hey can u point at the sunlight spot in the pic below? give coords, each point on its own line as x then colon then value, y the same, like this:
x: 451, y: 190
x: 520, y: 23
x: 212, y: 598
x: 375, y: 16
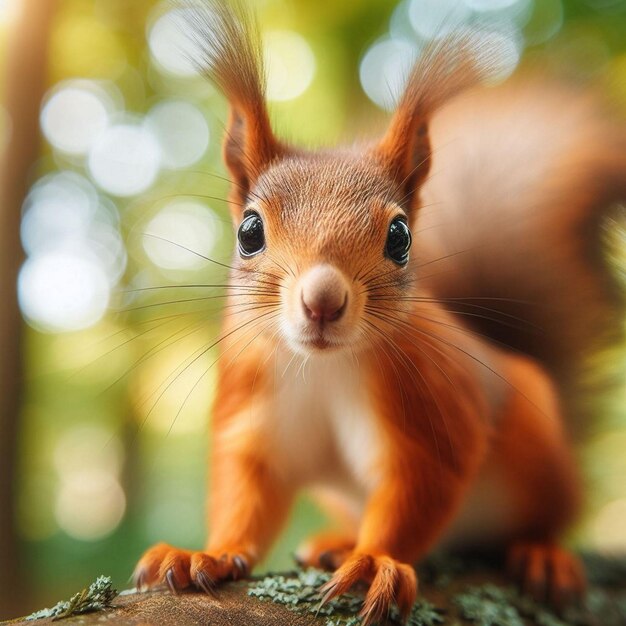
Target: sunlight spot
x: 497, y: 11
x: 62, y: 291
x: 85, y: 448
x: 63, y: 213
x: 493, y: 5
x: 170, y: 45
x: 58, y: 207
x: 290, y: 64
x: 384, y: 70
x: 73, y: 115
x: 433, y: 19
x: 399, y: 23
x: 181, y: 234
x: 607, y: 531
x: 125, y: 159
x: 90, y: 504
x: 182, y: 132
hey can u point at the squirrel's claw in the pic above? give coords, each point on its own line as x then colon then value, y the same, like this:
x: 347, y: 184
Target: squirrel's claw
x: 206, y: 583
x: 390, y: 582
x: 179, y: 569
x: 547, y: 573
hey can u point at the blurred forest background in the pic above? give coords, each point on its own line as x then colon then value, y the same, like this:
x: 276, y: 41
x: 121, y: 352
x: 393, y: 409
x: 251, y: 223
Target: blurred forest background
x: 104, y: 440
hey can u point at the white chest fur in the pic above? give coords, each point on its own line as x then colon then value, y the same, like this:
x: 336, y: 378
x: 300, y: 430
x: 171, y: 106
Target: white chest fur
x: 323, y: 426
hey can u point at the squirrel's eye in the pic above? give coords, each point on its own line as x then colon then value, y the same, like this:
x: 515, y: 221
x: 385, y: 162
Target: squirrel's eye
x: 398, y: 241
x: 250, y: 235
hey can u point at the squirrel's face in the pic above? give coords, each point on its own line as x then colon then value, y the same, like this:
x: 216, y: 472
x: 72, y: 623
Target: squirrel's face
x: 327, y: 240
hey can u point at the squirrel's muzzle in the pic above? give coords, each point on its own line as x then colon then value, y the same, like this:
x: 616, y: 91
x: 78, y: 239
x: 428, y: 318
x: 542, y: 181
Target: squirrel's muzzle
x: 324, y: 294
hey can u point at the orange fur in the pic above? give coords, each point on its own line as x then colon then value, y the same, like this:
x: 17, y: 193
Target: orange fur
x: 389, y: 405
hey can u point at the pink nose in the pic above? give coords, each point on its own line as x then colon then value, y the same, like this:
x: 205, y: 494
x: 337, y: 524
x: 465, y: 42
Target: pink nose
x: 324, y: 294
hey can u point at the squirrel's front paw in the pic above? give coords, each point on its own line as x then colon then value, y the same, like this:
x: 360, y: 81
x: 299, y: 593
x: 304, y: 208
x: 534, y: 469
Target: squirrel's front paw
x: 178, y: 569
x: 389, y: 582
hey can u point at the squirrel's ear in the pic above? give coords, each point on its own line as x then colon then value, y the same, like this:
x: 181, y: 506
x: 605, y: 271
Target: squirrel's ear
x: 231, y: 55
x: 249, y: 146
x: 405, y: 151
x: 445, y: 68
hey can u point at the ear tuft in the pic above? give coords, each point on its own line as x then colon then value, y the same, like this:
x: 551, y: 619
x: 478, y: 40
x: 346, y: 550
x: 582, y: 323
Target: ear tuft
x: 445, y: 68
x: 228, y: 38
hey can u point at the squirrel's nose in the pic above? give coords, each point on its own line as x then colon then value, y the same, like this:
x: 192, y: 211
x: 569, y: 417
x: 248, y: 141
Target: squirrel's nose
x: 324, y: 294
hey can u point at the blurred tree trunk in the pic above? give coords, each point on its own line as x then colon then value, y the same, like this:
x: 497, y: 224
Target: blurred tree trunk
x: 24, y: 86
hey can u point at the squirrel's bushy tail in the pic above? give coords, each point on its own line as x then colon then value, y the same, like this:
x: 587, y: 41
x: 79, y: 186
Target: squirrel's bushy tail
x: 526, y: 186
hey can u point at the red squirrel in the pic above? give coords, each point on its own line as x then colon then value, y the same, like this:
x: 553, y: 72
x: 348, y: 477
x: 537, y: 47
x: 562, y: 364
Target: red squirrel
x: 362, y: 360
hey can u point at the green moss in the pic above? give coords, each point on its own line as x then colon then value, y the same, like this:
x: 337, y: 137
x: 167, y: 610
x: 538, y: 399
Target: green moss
x: 300, y: 592
x: 99, y: 595
x: 488, y: 605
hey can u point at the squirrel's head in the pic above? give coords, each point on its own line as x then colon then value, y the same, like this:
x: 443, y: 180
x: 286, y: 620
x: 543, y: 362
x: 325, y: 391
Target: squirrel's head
x: 330, y: 234
x: 324, y: 238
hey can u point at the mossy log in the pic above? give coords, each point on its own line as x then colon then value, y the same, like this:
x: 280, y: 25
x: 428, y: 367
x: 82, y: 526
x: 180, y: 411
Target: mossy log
x: 454, y: 591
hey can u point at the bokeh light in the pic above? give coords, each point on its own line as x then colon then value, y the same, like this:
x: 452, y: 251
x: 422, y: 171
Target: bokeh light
x: 496, y: 26
x: 125, y: 159
x: 58, y: 208
x: 63, y: 290
x: 181, y: 130
x: 290, y: 64
x: 88, y: 447
x: 90, y: 501
x: 90, y: 504
x: 500, y: 7
x: 171, y: 47
x: 181, y: 235
x: 74, y: 114
x: 433, y: 19
x: 607, y: 529
x: 75, y: 253
x: 384, y: 69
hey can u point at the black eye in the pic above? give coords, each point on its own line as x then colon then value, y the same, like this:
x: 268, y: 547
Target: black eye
x: 398, y: 241
x: 250, y: 235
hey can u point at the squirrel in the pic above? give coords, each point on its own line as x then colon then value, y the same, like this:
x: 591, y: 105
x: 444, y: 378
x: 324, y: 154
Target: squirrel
x: 408, y: 317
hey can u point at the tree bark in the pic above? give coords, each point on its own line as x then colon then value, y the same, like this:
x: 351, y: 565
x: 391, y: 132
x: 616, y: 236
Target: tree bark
x: 23, y: 89
x: 454, y: 590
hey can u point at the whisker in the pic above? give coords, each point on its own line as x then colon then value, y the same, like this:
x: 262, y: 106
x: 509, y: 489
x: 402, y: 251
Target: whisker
x: 522, y: 322
x: 194, y: 358
x: 432, y: 392
x: 225, y: 178
x: 206, y: 371
x: 206, y: 258
x: 159, y: 347
x: 199, y: 299
x: 452, y: 345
